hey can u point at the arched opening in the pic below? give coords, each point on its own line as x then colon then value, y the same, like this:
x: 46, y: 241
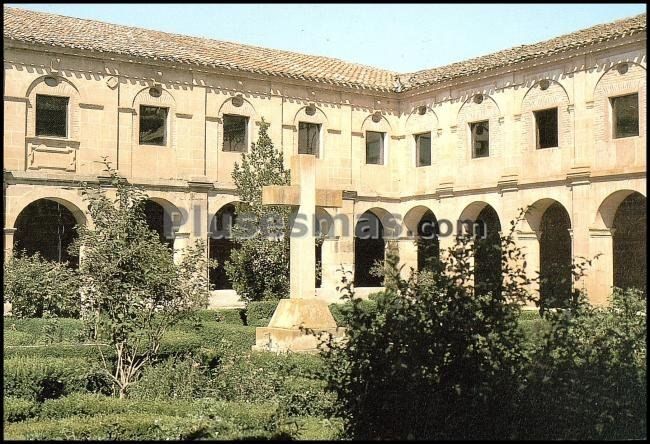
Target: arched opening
x: 555, y: 256
x: 487, y: 256
x: 369, y: 247
x: 428, y: 242
x: 47, y: 227
x: 629, y: 247
x: 221, y: 245
x: 160, y: 221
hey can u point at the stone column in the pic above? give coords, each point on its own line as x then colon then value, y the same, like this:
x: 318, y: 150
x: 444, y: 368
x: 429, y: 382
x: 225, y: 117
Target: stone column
x: 601, y: 277
x: 9, y: 242
x: 181, y: 241
x: 408, y: 255
x: 529, y: 242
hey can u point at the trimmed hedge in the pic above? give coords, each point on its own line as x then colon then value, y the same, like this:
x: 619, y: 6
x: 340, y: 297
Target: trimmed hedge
x: 17, y: 409
x: 33, y: 331
x: 259, y: 313
x: 338, y: 310
x: 86, y: 351
x: 38, y: 378
x: 106, y: 417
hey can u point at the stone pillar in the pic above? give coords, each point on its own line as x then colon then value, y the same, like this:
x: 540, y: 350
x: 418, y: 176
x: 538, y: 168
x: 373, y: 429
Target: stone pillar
x: 529, y: 242
x: 408, y: 255
x: 601, y: 277
x: 9, y: 242
x: 181, y: 241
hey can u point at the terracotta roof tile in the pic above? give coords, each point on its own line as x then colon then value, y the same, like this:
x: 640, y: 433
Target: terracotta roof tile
x: 56, y: 30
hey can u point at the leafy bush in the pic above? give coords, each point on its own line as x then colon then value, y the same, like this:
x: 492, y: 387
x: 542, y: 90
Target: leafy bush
x: 587, y: 376
x: 437, y: 360
x: 85, y: 351
x: 37, y: 287
x: 48, y: 378
x: 235, y: 316
x: 16, y: 409
x: 259, y: 313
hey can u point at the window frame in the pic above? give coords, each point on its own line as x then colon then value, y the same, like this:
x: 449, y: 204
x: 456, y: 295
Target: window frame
x: 613, y: 126
x: 319, y: 127
x: 382, y: 152
x: 471, y: 138
x: 166, y: 125
x: 416, y: 138
x: 246, y: 132
x: 537, y: 128
x: 67, y: 116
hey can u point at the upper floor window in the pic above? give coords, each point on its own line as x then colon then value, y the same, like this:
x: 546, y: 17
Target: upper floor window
x: 374, y: 147
x: 308, y: 138
x: 625, y: 113
x: 235, y: 133
x: 480, y: 139
x: 546, y: 128
x: 423, y: 149
x: 51, y: 116
x: 153, y: 125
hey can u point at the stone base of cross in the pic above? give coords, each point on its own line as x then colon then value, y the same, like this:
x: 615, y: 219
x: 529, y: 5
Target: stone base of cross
x: 299, y: 320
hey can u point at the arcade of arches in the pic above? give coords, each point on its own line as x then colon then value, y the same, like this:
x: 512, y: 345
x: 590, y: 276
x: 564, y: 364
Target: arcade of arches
x: 47, y: 226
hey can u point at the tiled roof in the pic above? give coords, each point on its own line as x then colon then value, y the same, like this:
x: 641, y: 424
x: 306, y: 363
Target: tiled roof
x: 578, y: 39
x: 56, y: 30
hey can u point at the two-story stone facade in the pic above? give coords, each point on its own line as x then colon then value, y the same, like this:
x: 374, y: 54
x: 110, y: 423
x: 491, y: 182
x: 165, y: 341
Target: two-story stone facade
x: 559, y: 125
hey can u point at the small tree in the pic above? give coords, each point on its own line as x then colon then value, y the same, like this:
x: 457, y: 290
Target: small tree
x: 259, y: 265
x: 133, y: 292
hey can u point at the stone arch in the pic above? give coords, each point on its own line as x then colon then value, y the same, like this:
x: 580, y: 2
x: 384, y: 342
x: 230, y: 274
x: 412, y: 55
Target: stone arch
x: 535, y: 88
x: 165, y: 100
x: 535, y: 212
x: 369, y: 246
x: 319, y: 118
x: 629, y: 243
x: 48, y: 226
x: 607, y: 209
x: 163, y: 217
x: 382, y: 126
x: 221, y: 244
x: 422, y: 224
x: 68, y: 198
x: 468, y: 105
x: 63, y: 88
x: 555, y: 252
x: 606, y: 71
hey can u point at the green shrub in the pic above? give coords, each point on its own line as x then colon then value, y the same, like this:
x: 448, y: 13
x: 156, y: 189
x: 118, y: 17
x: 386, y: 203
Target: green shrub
x: 259, y: 313
x: 67, y: 330
x: 174, y: 378
x: 113, y: 418
x: 222, y: 337
x: 16, y: 409
x: 339, y: 311
x: 37, y: 287
x: 48, y: 378
x: 235, y: 316
x: 587, y: 373
x: 311, y: 428
x: 85, y: 351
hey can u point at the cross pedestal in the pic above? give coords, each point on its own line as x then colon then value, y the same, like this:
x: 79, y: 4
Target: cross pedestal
x: 302, y: 309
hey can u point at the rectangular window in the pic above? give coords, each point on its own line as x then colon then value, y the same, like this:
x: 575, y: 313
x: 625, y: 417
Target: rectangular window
x: 374, y: 148
x: 480, y: 139
x: 423, y: 149
x: 625, y: 113
x: 546, y: 128
x: 153, y: 125
x: 235, y: 133
x: 308, y: 138
x: 51, y: 116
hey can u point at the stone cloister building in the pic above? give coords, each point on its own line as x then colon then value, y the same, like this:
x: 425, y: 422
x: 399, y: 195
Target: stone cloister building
x: 560, y: 125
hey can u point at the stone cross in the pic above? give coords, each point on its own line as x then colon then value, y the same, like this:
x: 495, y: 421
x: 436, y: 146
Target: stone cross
x: 303, y: 197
